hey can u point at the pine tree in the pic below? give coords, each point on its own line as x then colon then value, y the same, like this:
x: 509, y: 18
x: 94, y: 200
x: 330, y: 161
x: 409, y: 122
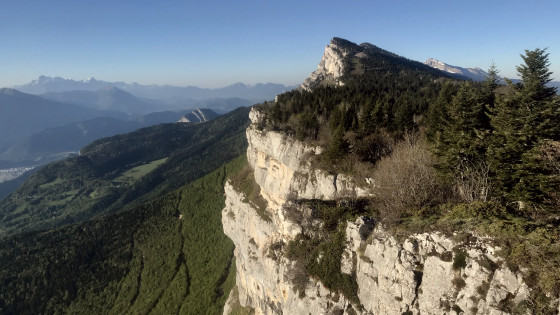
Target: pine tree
x: 438, y: 114
x: 462, y: 144
x: 523, y: 122
x: 488, y: 95
x: 535, y: 75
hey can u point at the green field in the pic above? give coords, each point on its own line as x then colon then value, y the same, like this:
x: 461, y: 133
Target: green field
x: 135, y: 173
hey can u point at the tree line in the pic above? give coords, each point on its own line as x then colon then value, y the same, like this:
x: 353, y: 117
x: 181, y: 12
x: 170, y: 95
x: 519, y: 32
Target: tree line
x: 502, y: 141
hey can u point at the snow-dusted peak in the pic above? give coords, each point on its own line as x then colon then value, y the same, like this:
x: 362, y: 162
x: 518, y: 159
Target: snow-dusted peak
x: 475, y: 74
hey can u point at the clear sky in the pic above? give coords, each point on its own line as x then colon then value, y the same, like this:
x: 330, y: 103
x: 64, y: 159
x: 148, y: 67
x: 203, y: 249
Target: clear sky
x: 217, y: 43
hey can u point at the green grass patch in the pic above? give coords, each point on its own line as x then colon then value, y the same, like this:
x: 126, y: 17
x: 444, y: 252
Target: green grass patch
x: 55, y: 182
x: 135, y: 173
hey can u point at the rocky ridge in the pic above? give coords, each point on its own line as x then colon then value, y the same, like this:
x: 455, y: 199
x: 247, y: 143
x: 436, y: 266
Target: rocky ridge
x: 427, y: 273
x: 331, y: 68
x: 343, y: 58
x: 475, y: 74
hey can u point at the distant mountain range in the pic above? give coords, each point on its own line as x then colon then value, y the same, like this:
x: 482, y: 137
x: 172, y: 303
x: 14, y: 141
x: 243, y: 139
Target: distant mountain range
x: 115, y: 99
x: 35, y: 130
x: 57, y: 142
x: 475, y: 74
x: 106, y: 98
x: 38, y: 128
x: 23, y: 114
x: 255, y: 93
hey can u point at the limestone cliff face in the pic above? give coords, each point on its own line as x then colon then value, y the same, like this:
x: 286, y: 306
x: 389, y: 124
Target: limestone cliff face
x: 419, y: 276
x: 423, y: 274
x: 331, y: 67
x: 283, y: 170
x: 264, y: 280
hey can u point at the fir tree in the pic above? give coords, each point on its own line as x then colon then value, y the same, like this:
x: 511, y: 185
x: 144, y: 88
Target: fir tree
x: 438, y: 114
x: 338, y: 147
x: 535, y: 75
x: 488, y: 95
x: 524, y: 121
x: 462, y: 144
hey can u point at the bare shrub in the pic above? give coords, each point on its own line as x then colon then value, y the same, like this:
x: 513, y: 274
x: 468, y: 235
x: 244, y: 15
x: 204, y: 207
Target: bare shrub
x: 549, y: 152
x: 473, y: 181
x: 406, y: 179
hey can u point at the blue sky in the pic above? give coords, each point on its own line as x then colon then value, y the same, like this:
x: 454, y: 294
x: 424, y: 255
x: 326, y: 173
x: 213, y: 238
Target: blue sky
x: 217, y: 43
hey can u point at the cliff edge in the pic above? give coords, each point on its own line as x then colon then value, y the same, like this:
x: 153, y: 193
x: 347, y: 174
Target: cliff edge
x: 427, y: 273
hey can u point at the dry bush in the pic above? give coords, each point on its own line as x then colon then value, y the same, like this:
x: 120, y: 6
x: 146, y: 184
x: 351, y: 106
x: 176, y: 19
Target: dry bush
x: 352, y: 165
x: 473, y: 182
x: 406, y: 179
x: 550, y: 154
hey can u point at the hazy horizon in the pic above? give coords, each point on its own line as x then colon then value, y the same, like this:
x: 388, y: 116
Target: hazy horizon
x: 212, y: 45
x: 147, y: 83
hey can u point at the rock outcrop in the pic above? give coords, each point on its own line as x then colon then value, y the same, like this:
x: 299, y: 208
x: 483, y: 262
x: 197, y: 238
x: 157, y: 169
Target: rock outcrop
x: 331, y: 67
x: 423, y: 274
x: 283, y: 169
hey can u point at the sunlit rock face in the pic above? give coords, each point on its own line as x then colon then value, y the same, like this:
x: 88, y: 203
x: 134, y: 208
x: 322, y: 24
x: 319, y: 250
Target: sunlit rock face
x: 412, y: 276
x: 331, y: 67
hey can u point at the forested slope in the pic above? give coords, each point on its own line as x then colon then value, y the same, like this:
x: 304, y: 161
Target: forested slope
x: 168, y: 255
